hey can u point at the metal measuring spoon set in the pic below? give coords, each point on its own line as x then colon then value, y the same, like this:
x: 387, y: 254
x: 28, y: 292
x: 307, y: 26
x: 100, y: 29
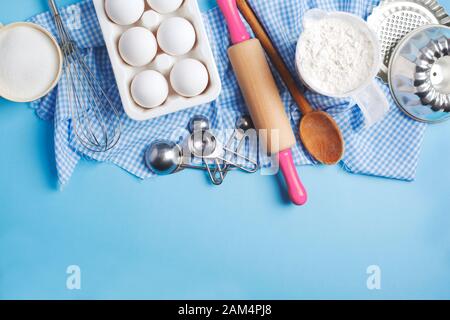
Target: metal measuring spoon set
x: 165, y: 157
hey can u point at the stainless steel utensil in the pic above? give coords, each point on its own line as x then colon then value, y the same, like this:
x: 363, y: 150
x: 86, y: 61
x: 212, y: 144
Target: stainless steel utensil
x: 392, y: 20
x: 204, y: 145
x: 419, y: 74
x: 165, y: 157
x: 243, y: 124
x: 200, y: 143
x: 95, y: 119
x: 198, y: 123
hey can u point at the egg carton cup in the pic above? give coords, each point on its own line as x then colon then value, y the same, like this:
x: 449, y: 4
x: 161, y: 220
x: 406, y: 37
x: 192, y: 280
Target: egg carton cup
x: 125, y: 73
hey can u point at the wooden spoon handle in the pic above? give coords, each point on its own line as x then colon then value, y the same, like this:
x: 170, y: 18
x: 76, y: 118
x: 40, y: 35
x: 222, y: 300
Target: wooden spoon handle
x: 274, y: 55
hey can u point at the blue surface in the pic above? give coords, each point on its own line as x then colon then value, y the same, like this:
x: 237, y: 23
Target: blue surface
x: 180, y: 238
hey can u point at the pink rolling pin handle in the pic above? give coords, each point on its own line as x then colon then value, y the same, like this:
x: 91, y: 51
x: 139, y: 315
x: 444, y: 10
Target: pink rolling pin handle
x: 297, y: 191
x: 237, y: 28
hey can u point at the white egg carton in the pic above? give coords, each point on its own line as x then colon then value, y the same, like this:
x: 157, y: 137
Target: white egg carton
x: 125, y: 73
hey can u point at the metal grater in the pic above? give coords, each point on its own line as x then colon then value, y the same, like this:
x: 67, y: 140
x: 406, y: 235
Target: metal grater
x: 419, y: 74
x: 392, y: 20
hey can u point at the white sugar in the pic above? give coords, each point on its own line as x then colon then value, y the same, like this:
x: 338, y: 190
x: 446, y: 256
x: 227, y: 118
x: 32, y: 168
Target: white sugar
x: 29, y: 63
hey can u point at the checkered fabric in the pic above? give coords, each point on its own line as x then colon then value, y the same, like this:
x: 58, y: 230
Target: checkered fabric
x: 388, y: 149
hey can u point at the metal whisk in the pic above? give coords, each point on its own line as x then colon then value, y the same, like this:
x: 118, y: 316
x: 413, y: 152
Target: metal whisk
x: 95, y: 119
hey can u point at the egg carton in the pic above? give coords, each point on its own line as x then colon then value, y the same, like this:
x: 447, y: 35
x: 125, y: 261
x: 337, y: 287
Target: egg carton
x: 124, y: 73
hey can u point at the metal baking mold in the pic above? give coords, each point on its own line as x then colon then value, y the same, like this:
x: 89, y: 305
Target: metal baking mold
x: 392, y: 20
x: 419, y: 74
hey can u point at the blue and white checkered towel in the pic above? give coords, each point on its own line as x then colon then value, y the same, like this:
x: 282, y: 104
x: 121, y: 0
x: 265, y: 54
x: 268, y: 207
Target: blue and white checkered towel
x: 389, y: 149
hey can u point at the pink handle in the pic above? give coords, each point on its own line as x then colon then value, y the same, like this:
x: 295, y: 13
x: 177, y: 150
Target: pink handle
x: 297, y: 191
x: 237, y: 28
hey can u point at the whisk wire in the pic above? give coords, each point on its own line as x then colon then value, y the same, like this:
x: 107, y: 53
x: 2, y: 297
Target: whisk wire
x: 85, y: 136
x: 83, y: 90
x: 96, y: 120
x: 98, y: 95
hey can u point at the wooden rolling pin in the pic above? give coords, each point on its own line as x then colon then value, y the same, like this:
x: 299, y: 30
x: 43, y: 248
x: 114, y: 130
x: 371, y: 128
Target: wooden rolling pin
x: 262, y: 97
x: 319, y: 132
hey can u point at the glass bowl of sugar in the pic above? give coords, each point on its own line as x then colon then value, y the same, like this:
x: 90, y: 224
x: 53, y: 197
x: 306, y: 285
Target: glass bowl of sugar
x: 31, y: 62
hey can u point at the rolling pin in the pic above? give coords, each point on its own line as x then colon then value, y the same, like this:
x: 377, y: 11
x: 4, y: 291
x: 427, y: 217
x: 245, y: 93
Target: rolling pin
x: 319, y: 132
x: 262, y: 97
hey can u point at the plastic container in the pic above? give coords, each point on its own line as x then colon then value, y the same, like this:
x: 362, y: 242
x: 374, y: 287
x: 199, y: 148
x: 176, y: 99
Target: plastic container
x: 369, y: 96
x: 125, y: 73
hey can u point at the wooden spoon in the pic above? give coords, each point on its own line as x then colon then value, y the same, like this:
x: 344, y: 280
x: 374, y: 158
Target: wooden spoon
x: 319, y: 132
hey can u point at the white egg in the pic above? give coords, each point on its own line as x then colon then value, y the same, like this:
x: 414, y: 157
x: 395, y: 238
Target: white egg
x: 176, y: 36
x: 165, y: 6
x: 189, y: 77
x: 138, y: 46
x: 149, y: 89
x: 124, y: 12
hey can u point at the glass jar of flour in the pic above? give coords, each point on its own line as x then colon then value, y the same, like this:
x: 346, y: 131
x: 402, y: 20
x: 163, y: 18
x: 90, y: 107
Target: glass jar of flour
x: 339, y: 56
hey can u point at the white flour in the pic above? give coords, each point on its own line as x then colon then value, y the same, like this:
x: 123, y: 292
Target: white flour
x: 335, y: 57
x: 29, y: 63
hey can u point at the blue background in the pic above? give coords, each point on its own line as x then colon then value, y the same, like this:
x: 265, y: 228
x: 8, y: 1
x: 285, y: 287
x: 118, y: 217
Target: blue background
x: 178, y: 237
